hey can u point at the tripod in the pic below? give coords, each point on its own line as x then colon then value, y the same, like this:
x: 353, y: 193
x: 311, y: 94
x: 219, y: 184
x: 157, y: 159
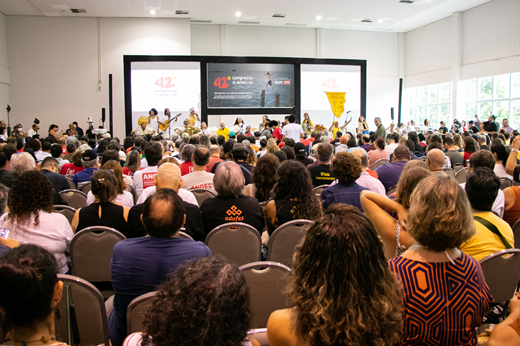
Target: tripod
x: 8, y: 122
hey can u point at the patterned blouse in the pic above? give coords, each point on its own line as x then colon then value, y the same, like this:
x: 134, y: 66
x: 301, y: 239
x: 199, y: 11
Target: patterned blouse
x: 443, y: 303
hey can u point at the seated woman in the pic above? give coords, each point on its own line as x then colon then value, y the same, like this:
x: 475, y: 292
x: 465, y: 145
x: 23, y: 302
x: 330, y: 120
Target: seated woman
x: 470, y: 147
x: 392, y: 232
x: 435, y: 273
x: 336, y: 304
x: 30, y: 294
x: 197, y: 306
x: 231, y: 205
x: 104, y: 211
x: 263, y: 178
x: 507, y: 333
x: 378, y: 153
x: 133, y: 163
x: 291, y: 200
x: 75, y: 166
x: 123, y: 197
x: 346, y: 167
x: 31, y: 217
x: 501, y: 154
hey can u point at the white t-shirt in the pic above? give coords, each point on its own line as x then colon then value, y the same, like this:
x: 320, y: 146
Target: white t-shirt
x: 390, y: 148
x: 144, y: 179
x: 31, y: 132
x: 185, y: 195
x: 53, y: 233
x: 198, y: 180
x: 498, y: 205
x: 292, y: 131
x: 154, y: 124
x: 41, y: 155
x: 125, y: 199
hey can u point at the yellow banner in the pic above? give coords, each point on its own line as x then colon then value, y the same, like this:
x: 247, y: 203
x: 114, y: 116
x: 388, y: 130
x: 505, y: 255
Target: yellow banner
x: 337, y: 102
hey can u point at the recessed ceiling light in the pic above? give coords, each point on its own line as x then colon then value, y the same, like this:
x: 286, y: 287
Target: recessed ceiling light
x: 238, y: 14
x: 380, y: 21
x: 318, y: 18
x: 152, y: 12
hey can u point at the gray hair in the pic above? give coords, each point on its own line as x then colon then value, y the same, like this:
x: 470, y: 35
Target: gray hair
x: 89, y: 164
x: 22, y: 162
x: 187, y: 152
x: 84, y: 147
x: 229, y: 179
x: 377, y: 118
x: 482, y: 139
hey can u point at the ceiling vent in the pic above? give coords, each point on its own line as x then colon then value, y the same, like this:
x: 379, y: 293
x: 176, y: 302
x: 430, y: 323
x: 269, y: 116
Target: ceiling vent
x: 278, y: 15
x: 182, y: 12
x: 406, y: 1
x: 295, y: 24
x: 200, y: 21
x: 78, y: 10
x: 244, y: 22
x: 366, y: 20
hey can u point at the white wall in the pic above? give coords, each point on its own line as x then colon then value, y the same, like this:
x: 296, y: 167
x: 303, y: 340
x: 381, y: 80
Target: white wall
x: 4, y: 72
x: 54, y: 64
x: 379, y: 49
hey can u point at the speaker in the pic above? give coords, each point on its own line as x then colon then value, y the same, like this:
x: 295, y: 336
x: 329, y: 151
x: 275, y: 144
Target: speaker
x: 102, y: 115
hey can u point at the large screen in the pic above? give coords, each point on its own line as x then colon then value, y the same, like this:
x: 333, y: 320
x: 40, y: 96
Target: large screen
x: 242, y: 85
x: 172, y: 84
x: 317, y: 79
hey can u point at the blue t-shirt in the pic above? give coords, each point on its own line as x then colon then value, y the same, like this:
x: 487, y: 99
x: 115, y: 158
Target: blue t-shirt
x: 84, y: 175
x: 389, y: 174
x: 139, y: 265
x: 339, y: 193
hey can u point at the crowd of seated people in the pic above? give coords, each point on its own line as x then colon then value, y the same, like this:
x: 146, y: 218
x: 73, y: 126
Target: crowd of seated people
x: 359, y: 265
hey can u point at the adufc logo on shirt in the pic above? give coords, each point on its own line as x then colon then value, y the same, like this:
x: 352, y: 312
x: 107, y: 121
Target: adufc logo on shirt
x: 234, y: 214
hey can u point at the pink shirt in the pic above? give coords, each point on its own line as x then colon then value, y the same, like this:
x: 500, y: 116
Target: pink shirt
x: 375, y: 155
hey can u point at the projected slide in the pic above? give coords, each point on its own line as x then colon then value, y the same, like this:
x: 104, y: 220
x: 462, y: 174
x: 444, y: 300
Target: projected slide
x: 240, y: 85
x: 317, y: 79
x: 160, y: 85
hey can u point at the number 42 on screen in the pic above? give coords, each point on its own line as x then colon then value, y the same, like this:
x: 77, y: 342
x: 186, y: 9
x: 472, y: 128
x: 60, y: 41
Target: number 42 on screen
x: 165, y: 83
x: 330, y: 83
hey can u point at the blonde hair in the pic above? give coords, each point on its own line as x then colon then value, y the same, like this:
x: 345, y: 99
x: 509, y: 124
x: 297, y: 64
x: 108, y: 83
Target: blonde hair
x: 440, y: 217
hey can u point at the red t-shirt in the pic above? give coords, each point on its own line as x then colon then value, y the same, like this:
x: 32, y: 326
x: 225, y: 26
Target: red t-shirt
x: 281, y: 144
x: 70, y: 169
x: 212, y: 161
x: 373, y: 173
x: 277, y: 133
x: 306, y: 142
x: 64, y: 150
x: 186, y: 168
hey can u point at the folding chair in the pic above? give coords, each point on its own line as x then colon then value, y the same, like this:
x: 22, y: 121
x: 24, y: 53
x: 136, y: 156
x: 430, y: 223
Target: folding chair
x: 516, y: 233
x: 71, y: 183
x: 136, y: 311
x: 449, y: 172
x: 74, y: 198
x: 266, y: 281
x: 259, y: 335
x: 505, y: 183
x: 86, y: 188
x: 319, y: 189
x: 83, y: 316
x: 284, y: 239
x: 457, y: 167
x: 379, y: 163
x: 391, y: 191
x: 502, y: 273
x: 184, y: 234
x: 237, y: 241
x: 66, y: 211
x: 202, y: 194
x: 461, y: 175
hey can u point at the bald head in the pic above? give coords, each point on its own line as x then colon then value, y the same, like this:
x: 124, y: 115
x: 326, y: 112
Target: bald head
x: 363, y: 156
x: 214, y: 150
x: 344, y: 139
x: 435, y: 160
x: 168, y: 177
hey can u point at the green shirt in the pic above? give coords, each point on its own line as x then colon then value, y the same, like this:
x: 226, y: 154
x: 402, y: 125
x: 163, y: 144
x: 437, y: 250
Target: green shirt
x: 381, y: 132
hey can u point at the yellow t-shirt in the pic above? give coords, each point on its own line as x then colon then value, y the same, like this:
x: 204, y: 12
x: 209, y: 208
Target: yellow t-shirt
x: 224, y: 132
x: 485, y: 242
x: 335, y: 129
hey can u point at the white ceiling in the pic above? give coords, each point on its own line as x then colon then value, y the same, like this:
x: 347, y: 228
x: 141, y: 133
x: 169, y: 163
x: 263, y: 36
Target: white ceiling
x: 386, y: 15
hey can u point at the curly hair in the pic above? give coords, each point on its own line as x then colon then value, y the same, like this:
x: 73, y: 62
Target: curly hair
x: 302, y: 192
x: 407, y: 183
x: 338, y: 304
x: 346, y: 168
x: 205, y: 302
x: 76, y: 158
x: 264, y: 176
x: 439, y: 216
x: 31, y: 192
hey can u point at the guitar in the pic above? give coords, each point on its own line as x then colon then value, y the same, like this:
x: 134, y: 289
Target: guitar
x: 167, y: 123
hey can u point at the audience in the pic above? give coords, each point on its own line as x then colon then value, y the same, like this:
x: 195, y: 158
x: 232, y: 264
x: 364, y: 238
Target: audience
x: 239, y: 153
x: 30, y: 294
x: 492, y: 233
x: 470, y: 147
x: 89, y: 161
x: 187, y: 157
x: 50, y: 169
x: 320, y: 172
x: 75, y: 166
x: 500, y: 154
x: 214, y: 151
x: 31, y: 217
x: 231, y: 205
x: 123, y: 196
x: 6, y: 177
x: 139, y: 265
x: 133, y: 163
x: 56, y: 153
x: 263, y: 178
x: 291, y: 200
x: 199, y: 178
x: 378, y: 153
x: 341, y: 291
x: 367, y: 179
x: 435, y: 160
x: 389, y: 173
x: 144, y: 178
x: 440, y: 221
x: 20, y: 163
x: 456, y: 157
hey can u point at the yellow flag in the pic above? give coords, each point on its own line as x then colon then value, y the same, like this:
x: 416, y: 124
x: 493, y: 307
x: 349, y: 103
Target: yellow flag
x: 337, y: 102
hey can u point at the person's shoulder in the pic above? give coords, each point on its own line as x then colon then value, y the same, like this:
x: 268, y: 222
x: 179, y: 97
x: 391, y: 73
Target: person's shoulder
x: 279, y: 327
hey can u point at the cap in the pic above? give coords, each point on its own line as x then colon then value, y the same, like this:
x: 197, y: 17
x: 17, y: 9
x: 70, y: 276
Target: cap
x: 238, y: 147
x: 89, y: 155
x: 299, y: 149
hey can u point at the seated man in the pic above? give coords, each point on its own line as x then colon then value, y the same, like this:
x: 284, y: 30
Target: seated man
x: 321, y: 173
x: 139, y: 265
x: 435, y: 160
x: 89, y: 160
x: 389, y: 173
x: 239, y: 154
x: 492, y: 233
x: 168, y: 177
x: 456, y: 158
x: 199, y: 178
x: 50, y: 169
x: 347, y: 169
x: 144, y: 177
x: 57, y: 152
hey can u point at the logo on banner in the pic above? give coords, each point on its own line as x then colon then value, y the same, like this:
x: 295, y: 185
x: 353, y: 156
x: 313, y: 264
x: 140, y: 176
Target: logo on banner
x: 148, y: 180
x: 337, y: 102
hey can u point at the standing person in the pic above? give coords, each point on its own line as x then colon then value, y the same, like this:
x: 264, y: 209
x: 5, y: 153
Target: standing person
x: 3, y: 132
x: 333, y: 304
x: 239, y: 128
x: 18, y: 132
x: 53, y: 131
x: 34, y: 128
x: 292, y: 130
x: 79, y: 129
x: 307, y: 124
x: 443, y: 129
x: 277, y: 131
x: 489, y: 126
x: 380, y: 129
x: 334, y: 128
x: 362, y: 126
x: 154, y: 121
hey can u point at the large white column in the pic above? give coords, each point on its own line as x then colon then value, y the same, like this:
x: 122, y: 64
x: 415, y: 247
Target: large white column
x: 318, y: 42
x: 402, y: 54
x: 223, y: 39
x: 456, y: 62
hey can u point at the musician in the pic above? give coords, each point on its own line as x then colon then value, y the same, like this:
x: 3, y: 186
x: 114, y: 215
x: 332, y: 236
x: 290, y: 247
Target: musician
x: 154, y: 121
x: 193, y: 117
x: 188, y: 128
x: 143, y: 128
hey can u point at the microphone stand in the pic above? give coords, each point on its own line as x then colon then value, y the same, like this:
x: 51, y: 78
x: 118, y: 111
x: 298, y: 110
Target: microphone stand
x: 8, y: 121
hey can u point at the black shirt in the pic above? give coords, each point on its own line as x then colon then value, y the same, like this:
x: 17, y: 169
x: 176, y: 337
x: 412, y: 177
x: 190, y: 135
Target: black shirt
x: 112, y: 215
x: 6, y: 178
x: 321, y: 175
x: 194, y: 226
x: 304, y: 160
x: 443, y: 130
x: 419, y: 148
x: 58, y: 181
x: 220, y: 210
x: 490, y: 127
